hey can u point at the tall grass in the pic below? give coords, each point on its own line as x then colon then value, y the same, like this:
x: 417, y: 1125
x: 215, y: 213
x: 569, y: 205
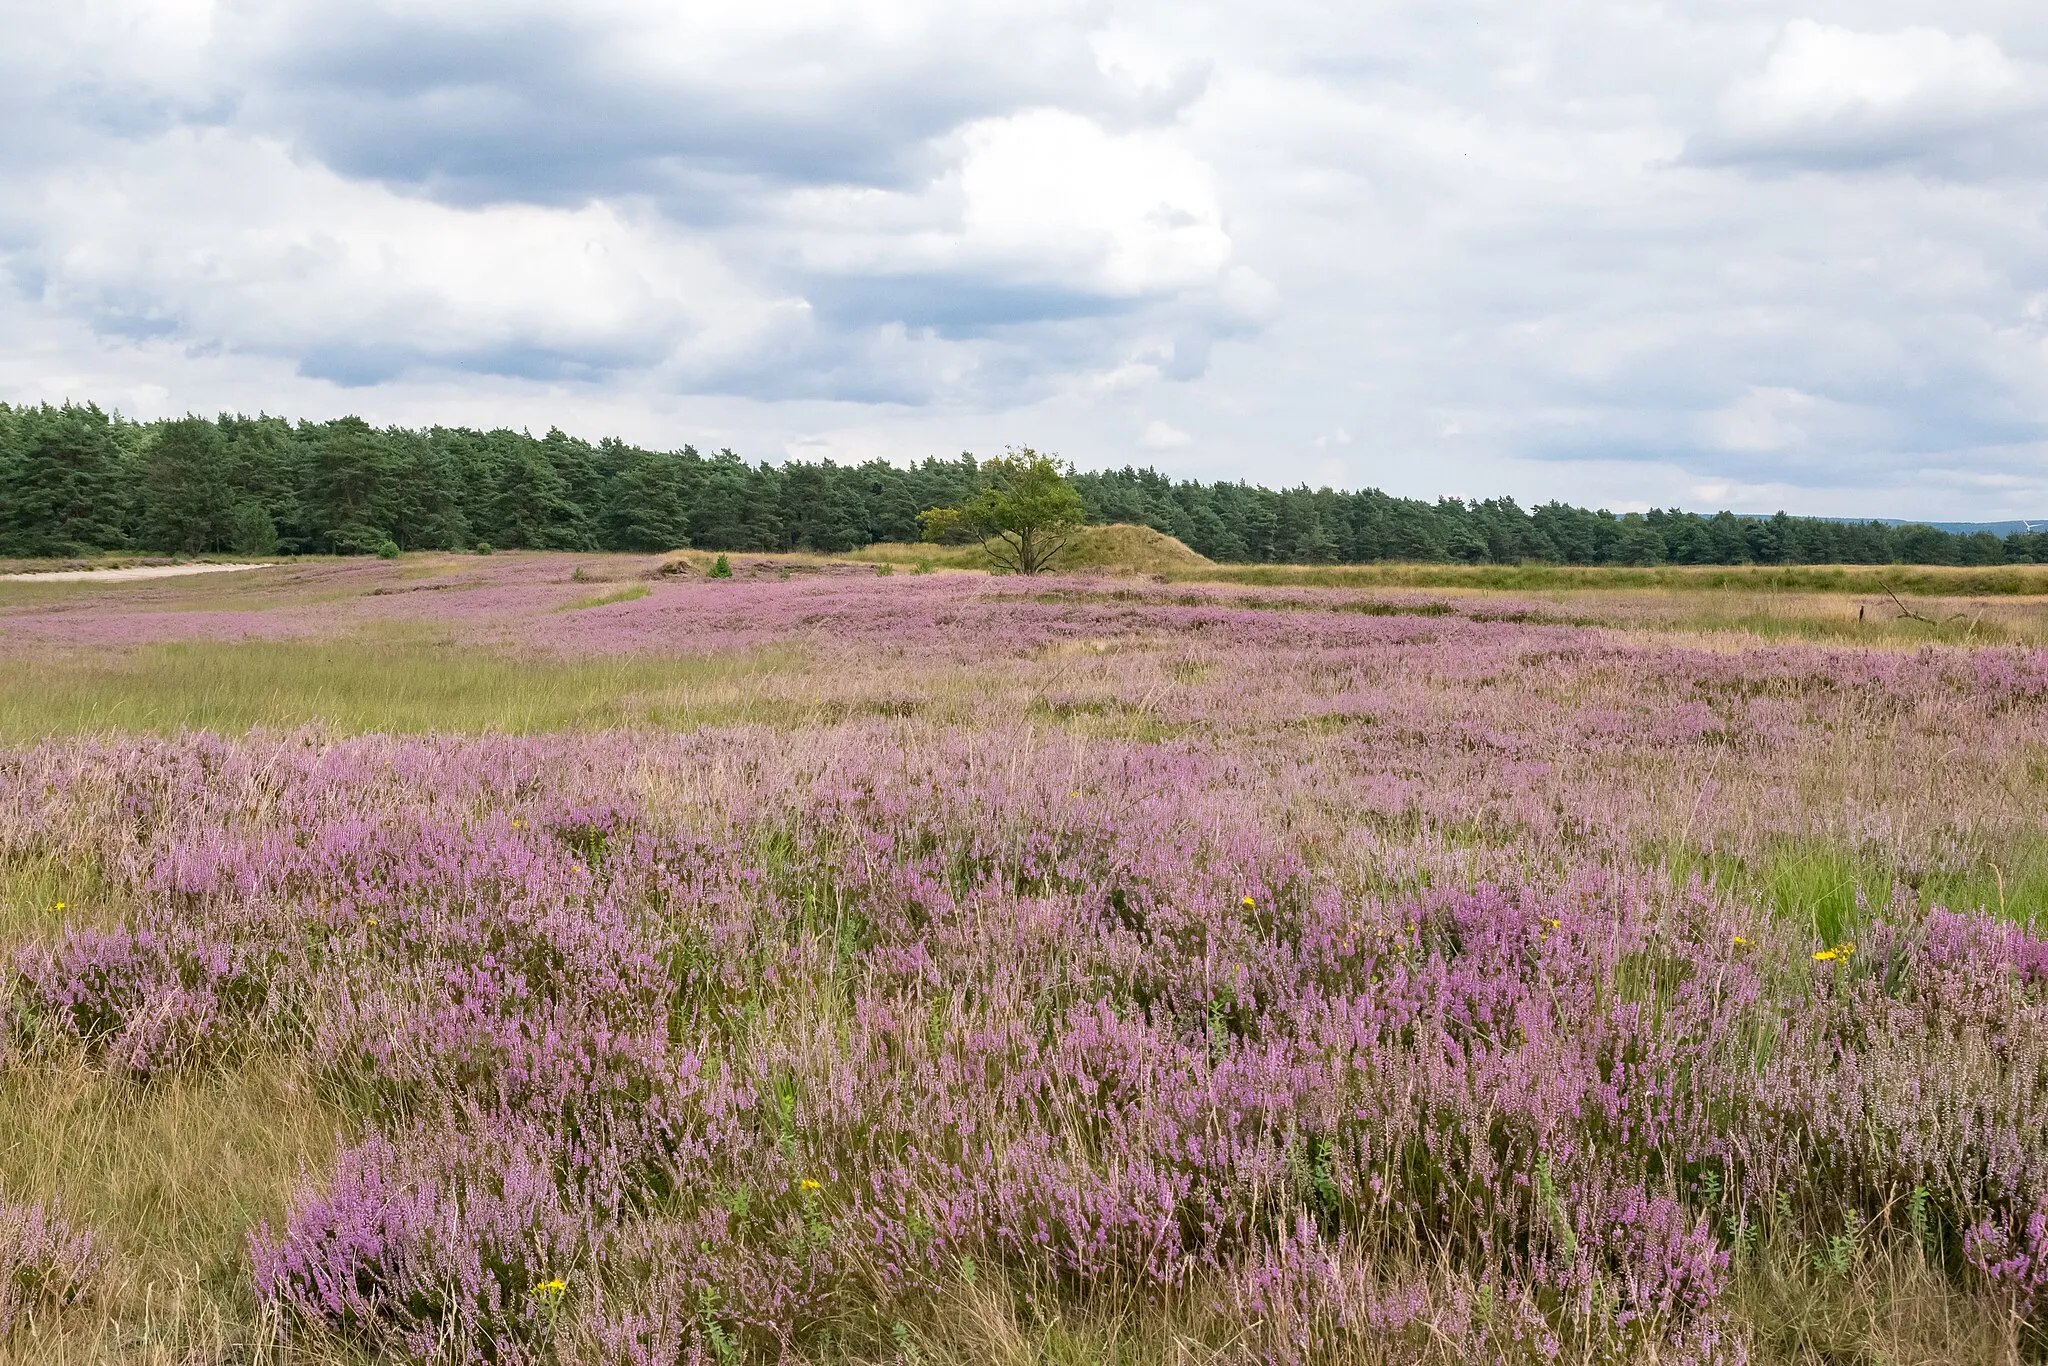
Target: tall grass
x: 366, y: 684
x: 1834, y: 890
x: 174, y: 1174
x: 1874, y: 580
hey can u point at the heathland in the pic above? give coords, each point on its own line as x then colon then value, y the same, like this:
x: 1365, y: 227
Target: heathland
x: 561, y: 957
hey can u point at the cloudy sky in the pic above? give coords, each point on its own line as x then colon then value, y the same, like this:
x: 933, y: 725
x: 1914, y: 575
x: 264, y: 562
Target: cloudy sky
x: 1747, y: 253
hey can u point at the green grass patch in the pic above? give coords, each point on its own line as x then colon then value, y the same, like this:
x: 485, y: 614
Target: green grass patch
x: 1834, y: 891
x: 42, y: 892
x: 633, y: 594
x: 1828, y: 890
x: 1906, y: 580
x: 174, y: 1175
x: 1883, y: 628
x: 372, y: 683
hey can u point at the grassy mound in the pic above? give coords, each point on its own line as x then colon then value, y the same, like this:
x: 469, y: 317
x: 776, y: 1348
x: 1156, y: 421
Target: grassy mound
x: 1124, y: 549
x: 1117, y: 549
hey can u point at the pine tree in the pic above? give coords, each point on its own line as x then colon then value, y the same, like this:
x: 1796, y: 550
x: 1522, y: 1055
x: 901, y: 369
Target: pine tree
x: 188, y: 505
x: 644, y: 507
x: 63, y: 483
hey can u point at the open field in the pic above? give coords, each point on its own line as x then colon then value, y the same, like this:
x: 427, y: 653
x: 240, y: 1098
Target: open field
x: 549, y: 958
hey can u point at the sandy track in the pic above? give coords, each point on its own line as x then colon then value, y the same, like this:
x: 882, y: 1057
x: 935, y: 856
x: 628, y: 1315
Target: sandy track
x: 152, y: 571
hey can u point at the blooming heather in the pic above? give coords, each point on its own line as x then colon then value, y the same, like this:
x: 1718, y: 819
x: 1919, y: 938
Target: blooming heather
x: 45, y: 1263
x: 1318, y: 968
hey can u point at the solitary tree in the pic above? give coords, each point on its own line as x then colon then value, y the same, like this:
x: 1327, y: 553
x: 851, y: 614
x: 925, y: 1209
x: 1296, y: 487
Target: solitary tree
x: 1024, y: 515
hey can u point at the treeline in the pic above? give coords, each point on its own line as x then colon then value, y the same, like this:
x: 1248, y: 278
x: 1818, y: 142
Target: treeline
x: 75, y: 480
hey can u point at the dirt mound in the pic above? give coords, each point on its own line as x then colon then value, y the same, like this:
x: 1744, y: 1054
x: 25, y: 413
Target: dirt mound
x: 1124, y: 549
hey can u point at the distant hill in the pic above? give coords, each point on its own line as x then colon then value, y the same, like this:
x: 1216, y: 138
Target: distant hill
x: 1971, y: 528
x: 1953, y: 528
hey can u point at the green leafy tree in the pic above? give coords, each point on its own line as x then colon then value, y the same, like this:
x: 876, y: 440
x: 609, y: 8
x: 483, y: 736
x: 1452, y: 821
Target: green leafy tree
x: 1639, y: 542
x: 266, y: 473
x: 1024, y: 515
x: 251, y: 531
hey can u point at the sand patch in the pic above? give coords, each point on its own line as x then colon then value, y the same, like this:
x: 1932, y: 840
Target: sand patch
x: 148, y: 571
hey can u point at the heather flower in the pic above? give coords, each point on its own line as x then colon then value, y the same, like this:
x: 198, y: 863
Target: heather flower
x: 443, y: 1244
x: 45, y: 1263
x: 2012, y: 1256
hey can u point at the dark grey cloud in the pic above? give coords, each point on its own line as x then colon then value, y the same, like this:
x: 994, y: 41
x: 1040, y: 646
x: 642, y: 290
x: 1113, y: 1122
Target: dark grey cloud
x: 952, y: 306
x: 554, y: 105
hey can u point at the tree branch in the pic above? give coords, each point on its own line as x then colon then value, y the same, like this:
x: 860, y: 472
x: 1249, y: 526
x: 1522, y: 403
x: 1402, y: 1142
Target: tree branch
x: 1906, y: 611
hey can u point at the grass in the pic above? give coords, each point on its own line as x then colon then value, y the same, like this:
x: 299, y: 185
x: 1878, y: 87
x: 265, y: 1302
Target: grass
x: 1117, y: 548
x: 174, y: 1173
x: 373, y: 683
x: 633, y: 594
x: 1872, y: 580
x: 1836, y: 890
x: 42, y: 892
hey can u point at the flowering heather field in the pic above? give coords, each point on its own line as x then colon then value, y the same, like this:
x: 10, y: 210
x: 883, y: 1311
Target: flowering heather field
x: 940, y: 968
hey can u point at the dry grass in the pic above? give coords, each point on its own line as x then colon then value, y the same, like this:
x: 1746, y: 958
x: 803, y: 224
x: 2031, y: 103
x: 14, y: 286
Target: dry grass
x: 173, y: 1174
x: 388, y: 681
x: 1890, y: 1309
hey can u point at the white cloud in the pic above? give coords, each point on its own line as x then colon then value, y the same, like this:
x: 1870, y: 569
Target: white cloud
x: 1042, y: 198
x: 1820, y: 73
x: 233, y: 243
x: 1833, y: 95
x: 1128, y: 215
x: 1164, y: 436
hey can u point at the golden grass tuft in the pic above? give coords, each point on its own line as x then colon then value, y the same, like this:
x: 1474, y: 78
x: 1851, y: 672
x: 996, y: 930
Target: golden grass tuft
x: 172, y: 1175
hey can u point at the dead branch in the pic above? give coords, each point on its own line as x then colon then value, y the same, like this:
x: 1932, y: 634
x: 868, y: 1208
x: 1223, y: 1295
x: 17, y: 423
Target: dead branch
x: 1906, y: 611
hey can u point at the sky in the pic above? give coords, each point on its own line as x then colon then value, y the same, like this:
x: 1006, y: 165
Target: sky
x: 1699, y: 253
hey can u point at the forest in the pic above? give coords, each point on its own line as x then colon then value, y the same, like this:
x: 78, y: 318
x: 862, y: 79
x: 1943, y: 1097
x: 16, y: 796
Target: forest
x: 76, y: 479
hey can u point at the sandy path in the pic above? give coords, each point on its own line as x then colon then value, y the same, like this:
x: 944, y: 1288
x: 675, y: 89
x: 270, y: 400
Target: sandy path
x: 152, y: 571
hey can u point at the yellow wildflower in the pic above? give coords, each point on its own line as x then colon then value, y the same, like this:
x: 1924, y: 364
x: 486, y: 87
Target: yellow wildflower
x: 550, y: 1292
x: 811, y: 1185
x: 1250, y: 904
x: 1841, y: 950
x: 60, y: 905
x: 370, y: 920
x: 1739, y: 941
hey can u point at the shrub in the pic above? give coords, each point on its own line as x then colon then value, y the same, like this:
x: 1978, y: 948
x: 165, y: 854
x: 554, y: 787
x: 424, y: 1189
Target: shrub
x: 451, y: 1246
x: 483, y: 547
x: 387, y: 550
x: 721, y: 568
